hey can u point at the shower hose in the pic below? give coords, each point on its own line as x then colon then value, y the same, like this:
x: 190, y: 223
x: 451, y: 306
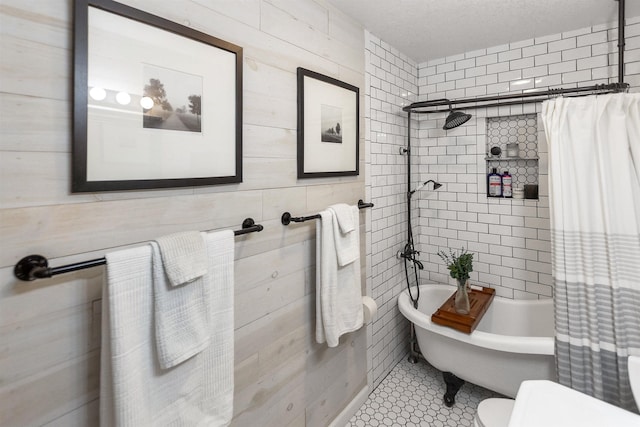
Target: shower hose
x: 409, y: 255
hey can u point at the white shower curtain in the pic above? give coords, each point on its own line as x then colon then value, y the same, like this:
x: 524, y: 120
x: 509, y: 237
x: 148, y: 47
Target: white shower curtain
x: 594, y: 188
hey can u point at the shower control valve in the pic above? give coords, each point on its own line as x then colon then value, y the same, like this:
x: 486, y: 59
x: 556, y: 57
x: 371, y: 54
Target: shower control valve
x: 408, y: 254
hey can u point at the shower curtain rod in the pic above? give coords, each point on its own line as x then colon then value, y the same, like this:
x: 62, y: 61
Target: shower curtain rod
x: 528, y: 98
x: 520, y: 98
x: 288, y: 219
x: 34, y: 267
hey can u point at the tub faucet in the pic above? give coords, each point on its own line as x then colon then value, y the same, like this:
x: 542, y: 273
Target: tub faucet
x: 410, y: 254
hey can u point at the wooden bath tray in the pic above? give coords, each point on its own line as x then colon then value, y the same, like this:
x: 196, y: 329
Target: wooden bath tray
x: 479, y: 301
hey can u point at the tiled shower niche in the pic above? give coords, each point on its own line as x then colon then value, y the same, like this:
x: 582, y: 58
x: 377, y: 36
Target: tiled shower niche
x: 520, y: 129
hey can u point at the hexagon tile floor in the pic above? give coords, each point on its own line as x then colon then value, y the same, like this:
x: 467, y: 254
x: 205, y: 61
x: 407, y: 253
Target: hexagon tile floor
x: 411, y: 396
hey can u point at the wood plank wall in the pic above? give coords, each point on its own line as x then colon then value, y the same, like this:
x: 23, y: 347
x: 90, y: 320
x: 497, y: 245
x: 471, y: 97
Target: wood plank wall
x: 50, y: 329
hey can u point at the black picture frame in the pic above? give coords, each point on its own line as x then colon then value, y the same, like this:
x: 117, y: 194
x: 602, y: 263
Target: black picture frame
x: 328, y: 126
x: 160, y: 145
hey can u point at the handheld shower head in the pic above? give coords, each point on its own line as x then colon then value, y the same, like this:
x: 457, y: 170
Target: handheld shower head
x: 436, y: 185
x: 455, y: 119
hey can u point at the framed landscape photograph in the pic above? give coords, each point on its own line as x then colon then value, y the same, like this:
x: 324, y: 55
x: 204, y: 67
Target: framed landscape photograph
x: 328, y: 126
x: 156, y: 104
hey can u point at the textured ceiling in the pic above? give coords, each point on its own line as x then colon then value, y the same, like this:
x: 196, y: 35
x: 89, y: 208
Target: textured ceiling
x: 430, y: 29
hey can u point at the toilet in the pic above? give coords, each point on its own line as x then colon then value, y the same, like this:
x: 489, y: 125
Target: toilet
x: 496, y: 412
x: 634, y: 377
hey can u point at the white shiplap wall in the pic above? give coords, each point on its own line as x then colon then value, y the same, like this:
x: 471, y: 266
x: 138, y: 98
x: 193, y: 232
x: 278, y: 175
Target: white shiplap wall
x: 50, y: 329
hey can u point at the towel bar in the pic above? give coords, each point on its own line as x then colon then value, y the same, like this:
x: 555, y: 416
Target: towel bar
x: 288, y: 219
x: 34, y: 267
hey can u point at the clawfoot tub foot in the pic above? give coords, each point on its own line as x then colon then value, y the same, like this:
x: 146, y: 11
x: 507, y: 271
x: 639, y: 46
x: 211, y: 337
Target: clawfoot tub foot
x: 453, y: 385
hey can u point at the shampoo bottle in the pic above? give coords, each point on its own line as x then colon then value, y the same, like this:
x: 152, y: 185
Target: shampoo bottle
x: 507, y: 182
x: 494, y: 184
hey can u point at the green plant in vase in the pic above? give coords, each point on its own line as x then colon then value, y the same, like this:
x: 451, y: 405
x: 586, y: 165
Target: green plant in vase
x: 459, y: 265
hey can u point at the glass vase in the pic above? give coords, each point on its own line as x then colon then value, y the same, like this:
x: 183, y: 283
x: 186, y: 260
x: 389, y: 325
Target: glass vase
x: 461, y: 300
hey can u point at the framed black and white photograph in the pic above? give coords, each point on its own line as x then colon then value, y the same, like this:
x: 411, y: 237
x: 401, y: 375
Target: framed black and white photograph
x: 156, y: 104
x: 171, y: 100
x: 328, y: 126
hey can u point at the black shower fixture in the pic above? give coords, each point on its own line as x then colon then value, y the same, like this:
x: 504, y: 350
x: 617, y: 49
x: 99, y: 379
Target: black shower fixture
x: 436, y: 185
x: 455, y: 119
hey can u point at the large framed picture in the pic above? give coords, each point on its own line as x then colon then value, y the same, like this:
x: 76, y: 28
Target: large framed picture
x: 328, y: 126
x: 156, y: 104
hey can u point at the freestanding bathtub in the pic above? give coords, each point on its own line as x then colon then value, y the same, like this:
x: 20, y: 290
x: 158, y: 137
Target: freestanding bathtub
x: 512, y: 343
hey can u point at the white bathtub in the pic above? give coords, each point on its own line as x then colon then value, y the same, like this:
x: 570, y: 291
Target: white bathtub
x: 513, y: 342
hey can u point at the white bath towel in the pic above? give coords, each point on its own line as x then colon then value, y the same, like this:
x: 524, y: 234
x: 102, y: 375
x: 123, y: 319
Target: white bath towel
x: 184, y: 257
x: 181, y: 313
x: 347, y: 241
x: 134, y: 390
x: 338, y: 288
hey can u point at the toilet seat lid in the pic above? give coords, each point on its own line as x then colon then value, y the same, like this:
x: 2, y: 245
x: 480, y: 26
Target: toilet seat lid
x: 494, y: 412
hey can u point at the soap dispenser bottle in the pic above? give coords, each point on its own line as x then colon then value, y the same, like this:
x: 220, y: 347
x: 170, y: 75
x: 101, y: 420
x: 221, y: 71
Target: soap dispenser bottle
x: 507, y: 185
x: 494, y: 184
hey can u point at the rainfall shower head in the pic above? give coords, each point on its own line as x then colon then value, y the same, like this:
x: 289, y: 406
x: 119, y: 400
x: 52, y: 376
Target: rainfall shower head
x: 436, y: 185
x: 455, y: 119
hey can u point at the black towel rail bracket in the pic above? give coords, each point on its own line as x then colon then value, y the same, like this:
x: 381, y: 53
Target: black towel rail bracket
x: 288, y: 219
x: 34, y: 267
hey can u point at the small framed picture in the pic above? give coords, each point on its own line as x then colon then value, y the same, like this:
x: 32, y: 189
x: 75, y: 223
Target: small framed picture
x: 156, y: 104
x: 328, y: 126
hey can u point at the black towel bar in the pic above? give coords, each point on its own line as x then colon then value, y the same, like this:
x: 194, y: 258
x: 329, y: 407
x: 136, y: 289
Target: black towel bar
x: 34, y: 267
x: 288, y: 219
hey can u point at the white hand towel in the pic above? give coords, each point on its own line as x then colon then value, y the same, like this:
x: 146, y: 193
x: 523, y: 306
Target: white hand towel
x: 345, y: 216
x: 347, y: 242
x: 183, y: 256
x: 338, y: 288
x: 134, y: 390
x: 181, y: 313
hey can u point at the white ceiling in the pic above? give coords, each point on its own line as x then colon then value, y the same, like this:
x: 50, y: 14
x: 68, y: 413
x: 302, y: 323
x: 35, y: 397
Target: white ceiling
x: 431, y: 29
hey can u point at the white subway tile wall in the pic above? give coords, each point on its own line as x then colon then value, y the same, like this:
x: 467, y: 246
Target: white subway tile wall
x: 510, y: 238
x: 391, y: 83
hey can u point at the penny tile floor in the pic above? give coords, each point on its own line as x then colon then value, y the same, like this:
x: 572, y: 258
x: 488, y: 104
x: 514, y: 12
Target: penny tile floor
x: 411, y: 396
